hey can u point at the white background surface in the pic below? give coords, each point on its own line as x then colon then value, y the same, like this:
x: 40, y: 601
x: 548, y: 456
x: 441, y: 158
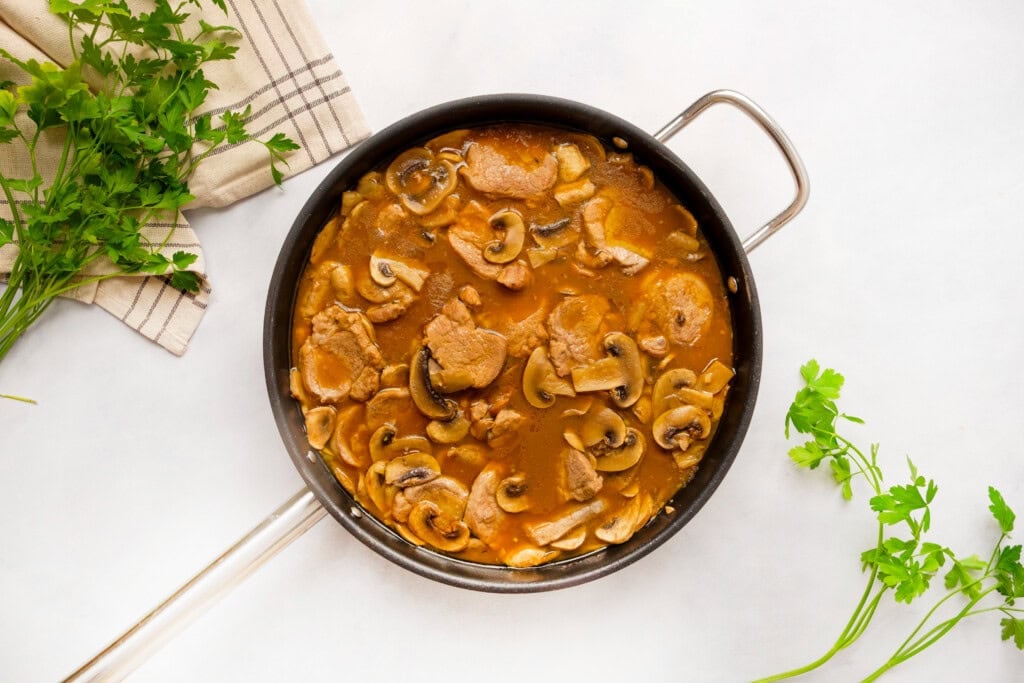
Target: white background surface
x: 903, y: 272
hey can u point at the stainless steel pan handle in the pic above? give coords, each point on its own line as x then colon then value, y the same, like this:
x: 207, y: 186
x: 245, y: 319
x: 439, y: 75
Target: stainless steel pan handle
x: 270, y: 537
x: 768, y: 124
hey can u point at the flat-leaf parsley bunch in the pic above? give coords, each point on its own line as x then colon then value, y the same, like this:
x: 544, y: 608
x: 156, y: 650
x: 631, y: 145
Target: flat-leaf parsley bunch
x: 903, y: 563
x: 129, y: 148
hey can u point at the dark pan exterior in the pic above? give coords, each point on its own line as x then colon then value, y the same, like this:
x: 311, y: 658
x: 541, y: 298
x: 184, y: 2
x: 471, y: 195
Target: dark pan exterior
x: 478, y: 111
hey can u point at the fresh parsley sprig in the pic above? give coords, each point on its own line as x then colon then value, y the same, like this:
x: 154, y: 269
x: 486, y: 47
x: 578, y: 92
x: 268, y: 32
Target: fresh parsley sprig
x: 902, y: 563
x: 129, y: 148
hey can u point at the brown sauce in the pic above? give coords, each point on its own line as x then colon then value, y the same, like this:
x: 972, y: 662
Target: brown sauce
x: 506, y: 268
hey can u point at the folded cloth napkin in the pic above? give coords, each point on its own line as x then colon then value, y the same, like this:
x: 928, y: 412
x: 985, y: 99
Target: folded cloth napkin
x: 283, y: 70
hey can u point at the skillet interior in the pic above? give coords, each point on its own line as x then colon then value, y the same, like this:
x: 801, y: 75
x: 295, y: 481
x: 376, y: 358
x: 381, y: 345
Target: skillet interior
x: 473, y: 112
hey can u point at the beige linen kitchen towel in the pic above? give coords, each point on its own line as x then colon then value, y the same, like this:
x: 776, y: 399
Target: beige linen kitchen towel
x: 283, y: 71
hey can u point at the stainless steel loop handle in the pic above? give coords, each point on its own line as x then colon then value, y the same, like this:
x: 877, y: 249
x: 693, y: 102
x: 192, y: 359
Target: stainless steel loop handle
x: 270, y: 537
x: 760, y: 116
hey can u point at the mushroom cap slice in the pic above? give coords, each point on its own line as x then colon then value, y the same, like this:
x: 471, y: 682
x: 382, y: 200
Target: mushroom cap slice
x: 603, y: 374
x: 506, y: 249
x: 320, y: 425
x: 448, y: 431
x: 412, y: 469
x: 715, y: 376
x: 572, y: 540
x: 387, y: 271
x: 428, y: 400
x: 377, y: 490
x: 554, y: 235
x: 511, y: 494
x: 438, y: 529
x: 679, y: 426
x: 541, y: 384
x: 421, y: 180
x: 668, y: 384
x: 622, y: 347
x: 620, y: 527
x: 529, y: 556
x: 625, y: 456
x: 385, y: 443
x: 604, y: 429
x: 620, y: 372
x: 343, y: 431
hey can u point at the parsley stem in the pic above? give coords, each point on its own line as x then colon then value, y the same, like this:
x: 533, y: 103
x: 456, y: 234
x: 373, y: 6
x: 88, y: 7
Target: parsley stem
x: 20, y: 398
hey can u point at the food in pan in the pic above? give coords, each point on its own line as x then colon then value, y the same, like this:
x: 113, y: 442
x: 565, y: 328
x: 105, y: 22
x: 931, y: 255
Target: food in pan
x: 512, y: 344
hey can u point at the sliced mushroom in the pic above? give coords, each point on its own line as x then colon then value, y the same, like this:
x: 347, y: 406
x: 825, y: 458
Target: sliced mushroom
x: 385, y: 444
x: 395, y: 375
x: 511, y: 494
x: 387, y: 271
x: 447, y: 493
x: 621, y: 371
x: 529, y: 557
x: 571, y: 162
x: 715, y: 376
x: 541, y: 384
x: 679, y: 426
x: 620, y: 528
x: 668, y: 385
x: 554, y: 235
x: 513, y: 234
x: 540, y: 256
x: 377, y: 490
x: 691, y: 457
x: 572, y: 540
x: 320, y: 426
x: 688, y: 222
x: 421, y: 180
x: 574, y: 440
x: 428, y: 400
x: 296, y: 388
x: 339, y: 444
x: 602, y: 431
x: 569, y: 194
x: 406, y: 533
x: 448, y: 431
x: 411, y: 470
x: 623, y: 457
x: 642, y: 409
x: 544, y: 533
x: 438, y: 529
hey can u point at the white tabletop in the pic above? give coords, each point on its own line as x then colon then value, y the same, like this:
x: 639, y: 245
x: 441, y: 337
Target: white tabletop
x: 903, y: 272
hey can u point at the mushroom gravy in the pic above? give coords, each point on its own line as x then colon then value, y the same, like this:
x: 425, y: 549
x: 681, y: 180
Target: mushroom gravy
x: 512, y: 345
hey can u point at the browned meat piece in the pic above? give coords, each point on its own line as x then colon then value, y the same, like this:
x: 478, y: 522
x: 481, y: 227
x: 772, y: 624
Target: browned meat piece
x: 573, y: 327
x: 468, y: 238
x: 655, y: 346
x: 469, y: 296
x: 341, y: 359
x: 580, y: 481
x: 488, y: 170
x: 468, y: 356
x: 524, y: 335
x: 678, y: 306
x: 483, y: 516
x: 471, y: 253
x: 515, y: 275
x: 505, y: 428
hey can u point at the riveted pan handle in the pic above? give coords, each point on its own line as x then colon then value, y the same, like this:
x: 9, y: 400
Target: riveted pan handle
x: 751, y: 109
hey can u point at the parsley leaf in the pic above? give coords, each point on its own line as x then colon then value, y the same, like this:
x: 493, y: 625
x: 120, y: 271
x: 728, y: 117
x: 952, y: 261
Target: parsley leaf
x: 130, y: 147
